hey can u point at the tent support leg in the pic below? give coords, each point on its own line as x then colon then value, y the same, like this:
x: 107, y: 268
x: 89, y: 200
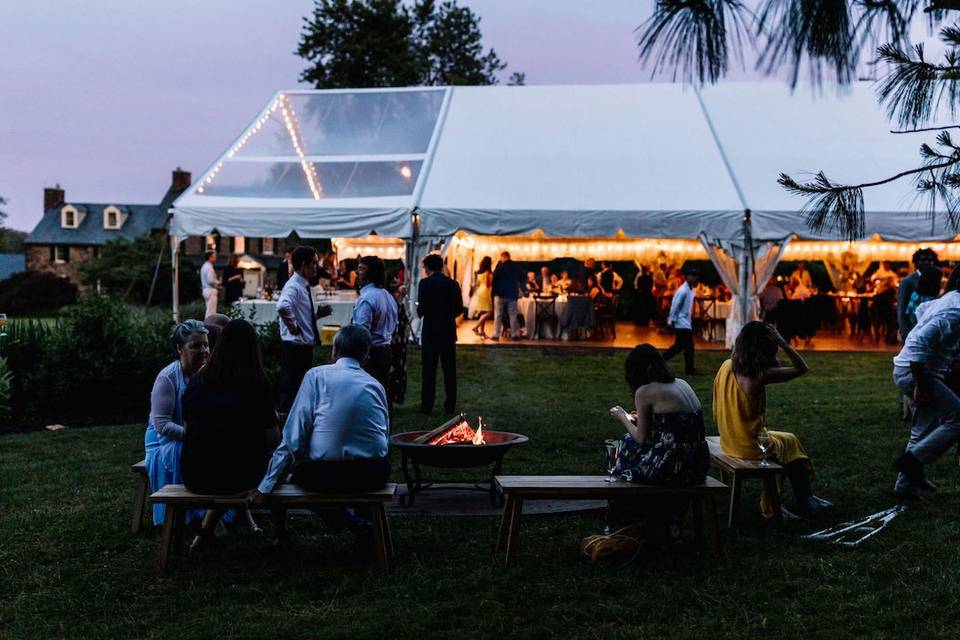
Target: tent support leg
x: 175, y: 275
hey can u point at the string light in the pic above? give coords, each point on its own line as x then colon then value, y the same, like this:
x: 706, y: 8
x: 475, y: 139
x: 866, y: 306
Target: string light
x: 293, y: 128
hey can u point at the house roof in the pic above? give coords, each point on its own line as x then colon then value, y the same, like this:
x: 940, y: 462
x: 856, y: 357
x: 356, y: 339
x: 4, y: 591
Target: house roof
x: 11, y: 263
x: 142, y: 219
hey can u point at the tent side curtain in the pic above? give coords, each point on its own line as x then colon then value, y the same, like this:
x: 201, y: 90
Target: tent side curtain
x: 597, y: 223
x: 280, y: 222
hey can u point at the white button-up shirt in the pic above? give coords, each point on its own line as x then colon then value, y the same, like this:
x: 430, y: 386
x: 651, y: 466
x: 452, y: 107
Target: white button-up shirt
x: 377, y: 311
x: 208, y: 276
x: 296, y: 303
x: 681, y: 308
x: 340, y: 413
x: 936, y: 337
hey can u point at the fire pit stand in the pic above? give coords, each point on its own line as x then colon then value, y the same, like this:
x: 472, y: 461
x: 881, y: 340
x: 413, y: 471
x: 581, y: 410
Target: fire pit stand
x: 453, y: 456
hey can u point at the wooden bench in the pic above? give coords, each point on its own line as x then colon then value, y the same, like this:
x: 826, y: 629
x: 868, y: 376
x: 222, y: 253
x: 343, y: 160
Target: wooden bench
x: 735, y: 470
x: 520, y: 488
x: 141, y: 495
x: 179, y: 500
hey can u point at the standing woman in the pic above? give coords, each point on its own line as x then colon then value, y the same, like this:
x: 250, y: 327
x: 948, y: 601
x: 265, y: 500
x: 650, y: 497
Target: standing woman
x: 233, y: 280
x: 163, y: 440
x: 740, y: 405
x: 484, y: 294
x: 231, y: 421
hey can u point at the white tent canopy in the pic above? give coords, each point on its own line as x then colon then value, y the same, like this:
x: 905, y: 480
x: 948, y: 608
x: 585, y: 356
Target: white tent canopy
x: 655, y: 161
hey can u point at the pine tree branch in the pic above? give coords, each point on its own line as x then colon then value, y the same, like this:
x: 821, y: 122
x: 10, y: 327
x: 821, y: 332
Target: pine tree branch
x: 942, y: 5
x: 922, y: 129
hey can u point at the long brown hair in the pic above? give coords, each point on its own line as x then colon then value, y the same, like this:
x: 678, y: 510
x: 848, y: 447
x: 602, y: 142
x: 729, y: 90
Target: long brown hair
x: 645, y: 364
x: 755, y: 350
x: 236, y: 360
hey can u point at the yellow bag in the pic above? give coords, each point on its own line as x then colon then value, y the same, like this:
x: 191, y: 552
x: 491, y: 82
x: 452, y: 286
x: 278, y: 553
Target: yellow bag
x: 617, y: 548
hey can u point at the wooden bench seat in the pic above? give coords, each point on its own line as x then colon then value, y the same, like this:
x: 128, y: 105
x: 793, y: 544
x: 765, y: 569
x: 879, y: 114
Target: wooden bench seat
x: 735, y: 470
x: 179, y: 500
x: 520, y: 488
x: 141, y: 495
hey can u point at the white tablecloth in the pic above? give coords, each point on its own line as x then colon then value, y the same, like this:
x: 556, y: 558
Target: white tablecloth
x: 527, y: 307
x: 261, y: 312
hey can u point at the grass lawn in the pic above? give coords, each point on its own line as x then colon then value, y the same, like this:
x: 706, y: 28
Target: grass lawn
x: 70, y: 568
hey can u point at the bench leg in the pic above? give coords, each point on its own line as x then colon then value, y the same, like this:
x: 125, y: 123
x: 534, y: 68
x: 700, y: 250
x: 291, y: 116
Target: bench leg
x: 513, y: 533
x: 139, y: 502
x: 714, y: 523
x: 773, y: 491
x: 735, y: 486
x: 697, y: 505
x: 380, y: 536
x: 166, y: 540
x: 505, y: 524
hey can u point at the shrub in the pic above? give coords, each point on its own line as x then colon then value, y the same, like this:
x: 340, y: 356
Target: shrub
x: 6, y: 388
x: 35, y: 292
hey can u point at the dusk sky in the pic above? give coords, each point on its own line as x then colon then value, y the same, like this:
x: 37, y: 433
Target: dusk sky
x: 107, y: 97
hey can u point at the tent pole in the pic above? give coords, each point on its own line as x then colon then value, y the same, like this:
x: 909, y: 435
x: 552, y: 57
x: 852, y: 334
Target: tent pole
x: 175, y: 272
x: 746, y: 296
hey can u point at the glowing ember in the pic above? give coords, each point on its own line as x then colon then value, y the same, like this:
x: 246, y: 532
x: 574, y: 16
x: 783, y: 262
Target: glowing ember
x: 462, y: 433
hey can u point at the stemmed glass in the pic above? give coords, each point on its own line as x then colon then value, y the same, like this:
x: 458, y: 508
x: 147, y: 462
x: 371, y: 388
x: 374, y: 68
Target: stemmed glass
x: 613, y: 455
x: 3, y: 325
x: 764, y: 441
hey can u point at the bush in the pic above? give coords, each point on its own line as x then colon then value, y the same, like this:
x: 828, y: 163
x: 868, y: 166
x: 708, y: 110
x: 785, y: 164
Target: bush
x: 35, y: 292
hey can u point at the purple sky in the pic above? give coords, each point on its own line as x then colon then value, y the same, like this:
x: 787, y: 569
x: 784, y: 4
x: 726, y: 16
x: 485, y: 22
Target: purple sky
x: 106, y: 97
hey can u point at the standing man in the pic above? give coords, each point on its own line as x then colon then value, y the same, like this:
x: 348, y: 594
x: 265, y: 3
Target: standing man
x: 284, y: 270
x: 507, y: 281
x: 608, y: 279
x: 298, y: 325
x: 377, y: 311
x: 209, y: 282
x: 922, y: 259
x: 438, y: 303
x: 681, y: 319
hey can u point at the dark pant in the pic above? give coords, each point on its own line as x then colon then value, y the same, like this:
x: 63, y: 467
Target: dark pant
x: 341, y: 476
x: 446, y: 353
x: 295, y: 361
x: 378, y: 365
x: 682, y: 342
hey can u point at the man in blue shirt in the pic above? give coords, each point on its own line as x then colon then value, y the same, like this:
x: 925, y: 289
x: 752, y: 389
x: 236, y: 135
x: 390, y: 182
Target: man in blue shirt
x: 507, y: 279
x: 377, y: 311
x: 335, y: 436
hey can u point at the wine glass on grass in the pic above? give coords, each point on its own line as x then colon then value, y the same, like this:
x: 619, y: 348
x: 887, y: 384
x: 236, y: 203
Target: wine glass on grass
x: 765, y: 442
x: 613, y: 455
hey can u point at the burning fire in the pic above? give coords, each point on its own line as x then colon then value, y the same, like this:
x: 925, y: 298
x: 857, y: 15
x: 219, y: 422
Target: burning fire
x: 461, y: 433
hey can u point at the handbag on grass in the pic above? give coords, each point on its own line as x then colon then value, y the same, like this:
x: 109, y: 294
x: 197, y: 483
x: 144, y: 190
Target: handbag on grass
x: 617, y: 548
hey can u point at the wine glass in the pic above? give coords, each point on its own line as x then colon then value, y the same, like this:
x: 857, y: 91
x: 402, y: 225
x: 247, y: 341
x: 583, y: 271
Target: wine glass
x: 3, y: 325
x: 613, y: 454
x: 764, y: 441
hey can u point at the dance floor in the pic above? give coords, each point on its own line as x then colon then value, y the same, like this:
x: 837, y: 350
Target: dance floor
x: 628, y: 335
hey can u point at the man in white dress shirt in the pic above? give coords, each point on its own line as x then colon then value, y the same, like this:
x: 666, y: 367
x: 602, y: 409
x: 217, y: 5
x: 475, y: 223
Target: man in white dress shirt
x: 298, y: 325
x: 209, y: 282
x: 681, y: 319
x: 335, y: 437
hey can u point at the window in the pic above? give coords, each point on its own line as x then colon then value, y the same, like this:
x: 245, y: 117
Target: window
x: 61, y: 254
x: 69, y: 217
x: 112, y: 218
x: 240, y: 245
x: 267, y: 249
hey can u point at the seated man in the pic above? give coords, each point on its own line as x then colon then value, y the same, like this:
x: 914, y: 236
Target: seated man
x: 336, y: 433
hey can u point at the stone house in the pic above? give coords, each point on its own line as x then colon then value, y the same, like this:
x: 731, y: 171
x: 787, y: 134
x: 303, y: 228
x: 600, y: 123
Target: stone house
x: 70, y: 233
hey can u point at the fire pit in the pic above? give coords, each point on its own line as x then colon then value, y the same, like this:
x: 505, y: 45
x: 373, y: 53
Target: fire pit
x: 454, y: 445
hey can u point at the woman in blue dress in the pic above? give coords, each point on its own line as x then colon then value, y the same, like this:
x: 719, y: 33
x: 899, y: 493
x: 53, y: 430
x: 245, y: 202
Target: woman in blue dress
x: 163, y: 439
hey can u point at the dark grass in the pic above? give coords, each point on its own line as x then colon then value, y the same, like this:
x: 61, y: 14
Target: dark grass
x: 70, y: 568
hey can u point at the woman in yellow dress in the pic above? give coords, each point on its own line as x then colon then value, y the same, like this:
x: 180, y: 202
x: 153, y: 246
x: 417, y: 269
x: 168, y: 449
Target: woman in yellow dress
x: 740, y: 402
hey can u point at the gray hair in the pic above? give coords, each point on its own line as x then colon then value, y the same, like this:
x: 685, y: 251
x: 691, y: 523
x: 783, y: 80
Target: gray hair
x: 181, y: 332
x: 353, y: 341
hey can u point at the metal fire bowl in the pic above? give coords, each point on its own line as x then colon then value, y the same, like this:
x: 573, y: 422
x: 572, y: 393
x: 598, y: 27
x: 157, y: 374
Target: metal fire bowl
x: 452, y: 456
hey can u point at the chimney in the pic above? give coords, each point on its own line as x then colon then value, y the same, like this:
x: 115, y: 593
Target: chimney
x: 181, y: 180
x: 53, y: 197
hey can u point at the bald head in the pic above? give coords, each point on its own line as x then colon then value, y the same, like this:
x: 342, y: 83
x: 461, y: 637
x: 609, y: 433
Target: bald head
x: 217, y: 319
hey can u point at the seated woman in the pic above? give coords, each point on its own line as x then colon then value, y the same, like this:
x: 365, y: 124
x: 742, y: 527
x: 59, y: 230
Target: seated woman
x: 163, y: 439
x: 593, y: 289
x: 231, y: 424
x: 740, y: 403
x: 347, y: 277
x: 531, y: 285
x: 664, y: 443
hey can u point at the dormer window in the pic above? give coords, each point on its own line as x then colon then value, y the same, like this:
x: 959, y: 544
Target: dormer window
x: 113, y: 218
x: 69, y: 217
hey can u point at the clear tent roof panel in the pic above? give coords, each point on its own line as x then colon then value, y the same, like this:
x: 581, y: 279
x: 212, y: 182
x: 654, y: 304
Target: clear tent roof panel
x: 339, y: 144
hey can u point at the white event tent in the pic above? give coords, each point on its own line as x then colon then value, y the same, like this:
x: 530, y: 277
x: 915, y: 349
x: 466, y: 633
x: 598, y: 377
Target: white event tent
x: 619, y: 172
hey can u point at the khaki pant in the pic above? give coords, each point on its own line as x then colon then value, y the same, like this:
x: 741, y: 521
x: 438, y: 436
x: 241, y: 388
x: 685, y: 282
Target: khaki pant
x: 210, y: 296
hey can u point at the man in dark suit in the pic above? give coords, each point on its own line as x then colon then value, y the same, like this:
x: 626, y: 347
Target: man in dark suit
x: 284, y: 270
x: 922, y: 259
x: 439, y: 303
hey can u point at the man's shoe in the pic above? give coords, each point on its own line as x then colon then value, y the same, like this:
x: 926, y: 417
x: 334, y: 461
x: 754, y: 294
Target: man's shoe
x: 910, y: 467
x: 911, y: 498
